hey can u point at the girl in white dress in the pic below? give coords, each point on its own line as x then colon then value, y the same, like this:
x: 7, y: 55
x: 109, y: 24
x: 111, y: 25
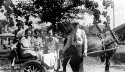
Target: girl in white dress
x: 52, y: 44
x: 26, y: 49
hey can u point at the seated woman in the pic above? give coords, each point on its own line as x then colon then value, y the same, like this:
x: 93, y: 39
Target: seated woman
x: 26, y: 49
x: 52, y: 44
x: 37, y: 43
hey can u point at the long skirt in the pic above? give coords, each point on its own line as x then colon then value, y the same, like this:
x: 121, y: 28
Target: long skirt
x: 50, y: 59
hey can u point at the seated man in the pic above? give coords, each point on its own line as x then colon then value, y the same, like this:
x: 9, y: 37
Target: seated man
x: 19, y: 33
x: 26, y: 49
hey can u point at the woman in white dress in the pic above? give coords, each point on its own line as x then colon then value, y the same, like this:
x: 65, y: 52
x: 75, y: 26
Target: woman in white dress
x: 26, y: 49
x: 52, y: 44
x: 37, y: 43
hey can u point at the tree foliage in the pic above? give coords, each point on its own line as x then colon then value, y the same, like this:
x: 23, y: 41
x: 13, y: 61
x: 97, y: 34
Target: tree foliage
x: 53, y: 11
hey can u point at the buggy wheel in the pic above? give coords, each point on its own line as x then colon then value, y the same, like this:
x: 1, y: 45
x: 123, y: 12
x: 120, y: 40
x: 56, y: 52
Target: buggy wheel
x: 32, y: 66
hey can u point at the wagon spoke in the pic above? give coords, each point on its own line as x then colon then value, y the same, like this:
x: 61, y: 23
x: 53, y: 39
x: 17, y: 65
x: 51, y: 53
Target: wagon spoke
x: 32, y: 68
x: 27, y: 69
x: 36, y: 70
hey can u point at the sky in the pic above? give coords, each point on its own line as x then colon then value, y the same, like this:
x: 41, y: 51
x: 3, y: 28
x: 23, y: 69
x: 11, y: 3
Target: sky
x: 119, y: 13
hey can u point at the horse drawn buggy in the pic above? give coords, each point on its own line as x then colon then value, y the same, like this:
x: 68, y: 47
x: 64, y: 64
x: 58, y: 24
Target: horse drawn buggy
x: 27, y: 64
x: 104, y: 42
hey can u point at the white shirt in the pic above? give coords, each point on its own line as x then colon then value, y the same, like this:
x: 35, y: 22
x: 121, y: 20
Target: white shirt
x: 26, y: 42
x: 20, y: 33
x: 80, y: 39
x: 37, y: 41
x: 51, y: 44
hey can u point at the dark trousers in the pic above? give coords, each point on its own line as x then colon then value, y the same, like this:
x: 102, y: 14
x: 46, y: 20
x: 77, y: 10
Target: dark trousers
x: 75, y: 54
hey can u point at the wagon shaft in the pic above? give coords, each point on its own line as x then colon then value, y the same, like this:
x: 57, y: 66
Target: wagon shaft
x: 101, y: 46
x: 103, y: 51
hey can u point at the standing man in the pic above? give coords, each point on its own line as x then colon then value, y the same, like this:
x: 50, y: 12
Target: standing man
x: 76, y: 47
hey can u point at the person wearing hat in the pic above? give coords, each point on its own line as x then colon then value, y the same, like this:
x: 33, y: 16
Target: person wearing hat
x: 19, y: 33
x: 75, y: 47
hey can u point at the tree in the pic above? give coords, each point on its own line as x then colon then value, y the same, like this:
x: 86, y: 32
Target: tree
x: 55, y: 11
x: 47, y: 10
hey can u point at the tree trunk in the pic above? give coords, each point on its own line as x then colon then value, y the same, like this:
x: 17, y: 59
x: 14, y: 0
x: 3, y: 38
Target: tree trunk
x: 54, y: 28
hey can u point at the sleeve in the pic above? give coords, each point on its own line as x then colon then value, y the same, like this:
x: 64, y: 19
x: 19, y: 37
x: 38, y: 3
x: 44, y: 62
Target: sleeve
x: 22, y: 39
x: 41, y: 42
x: 23, y: 43
x: 23, y: 33
x: 32, y: 42
x: 85, y: 41
x: 65, y: 41
x: 56, y: 42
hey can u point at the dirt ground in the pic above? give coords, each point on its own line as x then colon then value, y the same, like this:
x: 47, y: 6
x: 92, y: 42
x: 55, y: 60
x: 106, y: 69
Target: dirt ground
x: 93, y: 68
x: 91, y: 64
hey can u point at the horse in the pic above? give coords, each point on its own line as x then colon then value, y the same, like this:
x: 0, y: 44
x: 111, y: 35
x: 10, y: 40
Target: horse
x: 101, y: 41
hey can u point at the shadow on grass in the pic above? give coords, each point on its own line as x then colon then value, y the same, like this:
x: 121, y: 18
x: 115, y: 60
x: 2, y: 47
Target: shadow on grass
x: 118, y: 67
x: 119, y: 58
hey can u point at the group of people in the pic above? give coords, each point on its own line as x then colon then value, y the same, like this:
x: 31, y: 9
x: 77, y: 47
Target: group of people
x: 31, y: 44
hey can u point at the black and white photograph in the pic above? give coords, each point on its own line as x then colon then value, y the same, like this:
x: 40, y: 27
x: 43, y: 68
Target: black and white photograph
x: 62, y: 36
